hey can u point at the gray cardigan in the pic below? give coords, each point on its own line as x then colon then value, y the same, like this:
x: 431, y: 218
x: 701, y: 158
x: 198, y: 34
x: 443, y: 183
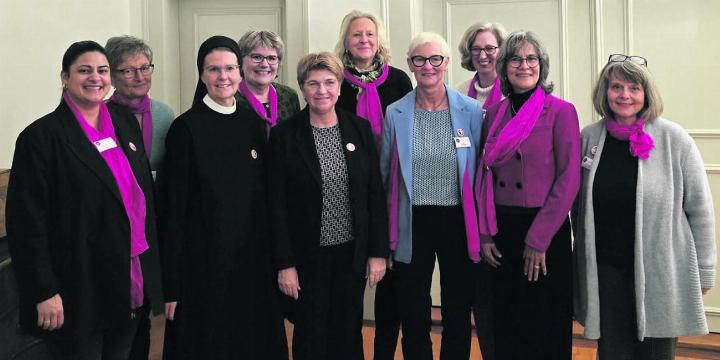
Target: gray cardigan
x: 675, y: 232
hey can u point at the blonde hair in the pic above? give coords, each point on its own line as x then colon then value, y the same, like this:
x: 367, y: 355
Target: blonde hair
x: 630, y: 72
x: 319, y: 61
x: 383, y: 52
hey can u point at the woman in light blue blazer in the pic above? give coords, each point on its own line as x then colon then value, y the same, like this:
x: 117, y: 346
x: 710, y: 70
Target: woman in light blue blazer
x: 430, y: 146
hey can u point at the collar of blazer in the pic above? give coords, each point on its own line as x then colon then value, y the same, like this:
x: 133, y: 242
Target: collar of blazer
x: 79, y: 144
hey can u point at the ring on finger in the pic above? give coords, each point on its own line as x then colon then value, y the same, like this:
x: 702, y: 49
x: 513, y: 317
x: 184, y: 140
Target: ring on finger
x: 537, y: 266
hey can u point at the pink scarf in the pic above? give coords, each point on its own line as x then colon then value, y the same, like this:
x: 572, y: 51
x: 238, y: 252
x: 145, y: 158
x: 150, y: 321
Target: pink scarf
x: 143, y: 108
x: 640, y: 142
x: 368, y: 102
x: 259, y: 107
x: 498, y: 149
x: 132, y: 196
x: 493, y: 98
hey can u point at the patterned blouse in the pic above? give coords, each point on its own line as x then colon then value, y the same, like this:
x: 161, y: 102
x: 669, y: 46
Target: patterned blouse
x: 336, y: 221
x: 434, y: 160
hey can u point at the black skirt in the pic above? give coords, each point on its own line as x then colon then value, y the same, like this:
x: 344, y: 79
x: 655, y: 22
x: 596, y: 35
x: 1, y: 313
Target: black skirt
x: 533, y: 319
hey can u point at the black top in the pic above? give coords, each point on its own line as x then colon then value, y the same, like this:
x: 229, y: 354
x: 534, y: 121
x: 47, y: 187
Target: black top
x: 517, y: 100
x: 614, y: 190
x: 393, y: 89
x: 214, y: 237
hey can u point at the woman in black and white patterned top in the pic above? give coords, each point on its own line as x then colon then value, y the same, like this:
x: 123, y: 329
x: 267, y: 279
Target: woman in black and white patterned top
x: 329, y: 223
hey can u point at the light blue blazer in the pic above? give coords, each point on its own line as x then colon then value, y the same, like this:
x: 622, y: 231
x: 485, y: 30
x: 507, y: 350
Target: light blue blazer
x: 466, y: 115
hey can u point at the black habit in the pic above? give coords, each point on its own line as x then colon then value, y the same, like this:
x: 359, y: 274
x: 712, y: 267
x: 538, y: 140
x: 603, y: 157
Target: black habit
x: 213, y: 226
x: 68, y: 229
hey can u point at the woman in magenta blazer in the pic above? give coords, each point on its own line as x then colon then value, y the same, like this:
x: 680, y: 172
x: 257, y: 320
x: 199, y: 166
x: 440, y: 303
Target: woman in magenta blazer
x: 527, y: 181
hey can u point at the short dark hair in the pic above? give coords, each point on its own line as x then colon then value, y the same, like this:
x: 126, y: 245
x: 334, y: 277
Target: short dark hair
x: 78, y: 48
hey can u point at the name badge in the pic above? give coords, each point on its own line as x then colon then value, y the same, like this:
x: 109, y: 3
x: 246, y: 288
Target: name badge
x: 587, y: 162
x: 462, y: 142
x: 105, y: 144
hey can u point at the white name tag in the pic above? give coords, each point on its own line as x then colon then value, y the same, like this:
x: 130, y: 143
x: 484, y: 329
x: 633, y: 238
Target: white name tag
x: 587, y: 162
x: 462, y: 142
x: 105, y: 144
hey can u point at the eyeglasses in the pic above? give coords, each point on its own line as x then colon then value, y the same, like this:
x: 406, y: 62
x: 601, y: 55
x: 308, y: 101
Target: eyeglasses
x: 489, y: 50
x: 271, y: 59
x: 217, y: 70
x: 531, y: 61
x: 435, y: 60
x: 314, y: 85
x: 632, y: 58
x: 129, y: 72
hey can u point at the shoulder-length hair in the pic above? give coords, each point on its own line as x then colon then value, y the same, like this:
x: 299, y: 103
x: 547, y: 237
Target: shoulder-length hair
x: 468, y: 39
x: 510, y: 48
x: 630, y: 72
x: 383, y: 52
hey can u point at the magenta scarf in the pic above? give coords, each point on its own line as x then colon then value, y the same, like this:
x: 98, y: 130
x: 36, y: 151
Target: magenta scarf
x: 143, y: 108
x: 368, y: 101
x: 132, y: 196
x: 498, y: 149
x: 259, y: 107
x: 494, y: 96
x: 640, y: 142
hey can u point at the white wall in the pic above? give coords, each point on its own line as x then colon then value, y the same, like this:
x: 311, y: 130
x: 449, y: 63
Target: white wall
x: 35, y: 34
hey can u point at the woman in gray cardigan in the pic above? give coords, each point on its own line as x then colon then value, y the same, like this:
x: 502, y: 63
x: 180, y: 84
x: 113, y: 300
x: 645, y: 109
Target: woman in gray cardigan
x: 644, y: 222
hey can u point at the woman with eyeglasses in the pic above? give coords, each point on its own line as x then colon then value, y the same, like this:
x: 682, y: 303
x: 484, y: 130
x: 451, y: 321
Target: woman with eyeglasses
x: 428, y: 162
x: 213, y: 223
x: 528, y: 178
x: 644, y: 222
x: 81, y: 219
x: 132, y: 67
x: 261, y: 53
x: 478, y: 49
x: 327, y: 206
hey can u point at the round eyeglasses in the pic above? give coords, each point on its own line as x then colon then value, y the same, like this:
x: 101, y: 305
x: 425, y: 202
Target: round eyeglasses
x: 531, y: 61
x: 434, y: 60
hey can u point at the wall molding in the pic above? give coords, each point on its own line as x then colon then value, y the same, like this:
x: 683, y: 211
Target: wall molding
x: 208, y: 12
x: 628, y: 25
x: 704, y: 133
x: 713, y: 169
x: 385, y: 14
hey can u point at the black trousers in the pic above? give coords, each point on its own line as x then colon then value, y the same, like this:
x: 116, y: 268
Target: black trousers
x: 618, y: 320
x: 329, y: 311
x: 387, y: 317
x: 482, y: 309
x: 533, y: 319
x: 108, y: 344
x: 140, y: 349
x: 437, y: 230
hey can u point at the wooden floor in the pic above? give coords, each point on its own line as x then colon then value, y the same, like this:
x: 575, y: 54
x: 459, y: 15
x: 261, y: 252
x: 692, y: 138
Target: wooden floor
x: 695, y: 348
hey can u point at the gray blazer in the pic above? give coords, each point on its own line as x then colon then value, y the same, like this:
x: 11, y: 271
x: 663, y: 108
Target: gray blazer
x: 675, y: 232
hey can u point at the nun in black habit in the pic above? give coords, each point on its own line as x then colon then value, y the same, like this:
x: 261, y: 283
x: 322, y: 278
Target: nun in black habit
x: 213, y: 223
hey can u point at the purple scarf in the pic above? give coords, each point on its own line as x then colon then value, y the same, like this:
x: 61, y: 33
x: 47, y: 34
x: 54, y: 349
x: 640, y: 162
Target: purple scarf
x: 259, y: 107
x: 498, y: 149
x: 143, y: 108
x: 368, y: 101
x: 640, y: 142
x: 493, y: 98
x: 132, y: 196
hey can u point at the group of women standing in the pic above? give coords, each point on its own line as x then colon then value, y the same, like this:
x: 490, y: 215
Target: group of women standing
x: 371, y: 182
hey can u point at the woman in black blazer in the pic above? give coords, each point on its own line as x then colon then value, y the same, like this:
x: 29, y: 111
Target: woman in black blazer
x: 81, y: 221
x: 329, y: 223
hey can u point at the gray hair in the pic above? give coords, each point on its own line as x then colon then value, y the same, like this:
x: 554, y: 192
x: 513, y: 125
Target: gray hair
x: 469, y: 38
x: 120, y: 47
x: 252, y: 39
x: 510, y: 48
x: 383, y: 52
x: 429, y: 37
x: 630, y: 72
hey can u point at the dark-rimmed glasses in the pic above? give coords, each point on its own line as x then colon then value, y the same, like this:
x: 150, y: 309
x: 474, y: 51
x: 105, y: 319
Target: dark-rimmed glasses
x: 271, y: 59
x: 129, y: 72
x: 434, y: 60
x: 489, y: 50
x: 531, y: 61
x: 632, y: 58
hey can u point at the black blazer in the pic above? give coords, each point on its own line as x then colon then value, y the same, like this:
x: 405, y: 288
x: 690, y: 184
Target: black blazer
x: 67, y: 226
x: 296, y: 191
